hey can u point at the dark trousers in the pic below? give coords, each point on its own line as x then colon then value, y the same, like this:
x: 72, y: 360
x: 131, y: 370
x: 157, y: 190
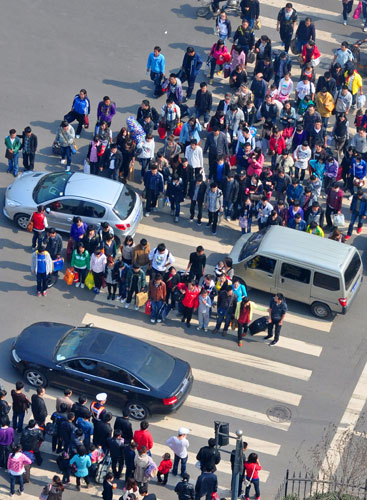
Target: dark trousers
x: 255, y: 482
x: 41, y: 282
x: 94, y: 167
x: 145, y: 165
x: 242, y: 330
x: 12, y: 483
x: 347, y: 9
x: 213, y: 63
x: 200, y: 209
x: 152, y: 197
x: 271, y: 325
x: 66, y: 152
x: 97, y: 280
x: 286, y: 37
x: 213, y: 220
x: 128, y: 473
x: 190, y: 83
x: 175, y: 207
x: 18, y: 421
x: 82, y: 274
x: 28, y: 160
x: 176, y: 463
x: 4, y: 453
x: 212, y: 159
x: 130, y: 294
x: 354, y: 217
x: 156, y: 78
x: 79, y: 118
x: 113, y: 173
x: 159, y: 477
x: 223, y: 315
x: 117, y: 466
x: 86, y: 479
x: 328, y: 213
x: 111, y: 289
x: 170, y: 295
x: 187, y: 314
x: 37, y: 238
x: 303, y: 172
x: 56, y: 444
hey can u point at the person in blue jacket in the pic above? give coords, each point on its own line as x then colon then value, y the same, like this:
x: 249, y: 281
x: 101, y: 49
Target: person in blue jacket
x: 156, y: 65
x: 154, y: 185
x: 297, y: 223
x: 191, y: 65
x: 80, y: 110
x: 175, y: 194
x: 294, y: 191
x: 358, y: 208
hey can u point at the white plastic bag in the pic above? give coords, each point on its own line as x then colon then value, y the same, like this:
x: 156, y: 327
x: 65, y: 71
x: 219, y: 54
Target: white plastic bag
x: 86, y: 167
x: 339, y: 220
x: 361, y: 101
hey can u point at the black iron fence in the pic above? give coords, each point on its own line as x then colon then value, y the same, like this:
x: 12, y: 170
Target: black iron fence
x: 305, y: 487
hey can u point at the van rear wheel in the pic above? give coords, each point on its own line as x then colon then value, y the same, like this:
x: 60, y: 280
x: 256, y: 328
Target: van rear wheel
x: 321, y: 310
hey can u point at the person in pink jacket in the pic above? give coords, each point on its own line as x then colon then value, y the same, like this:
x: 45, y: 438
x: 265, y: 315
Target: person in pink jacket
x: 238, y: 57
x: 255, y: 163
x: 16, y: 462
x: 218, y: 56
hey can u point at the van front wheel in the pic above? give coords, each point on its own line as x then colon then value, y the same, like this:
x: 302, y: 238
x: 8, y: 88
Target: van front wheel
x: 320, y: 310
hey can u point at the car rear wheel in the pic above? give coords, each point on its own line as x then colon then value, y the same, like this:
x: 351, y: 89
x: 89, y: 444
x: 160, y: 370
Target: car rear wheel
x: 21, y: 220
x: 137, y: 410
x: 321, y: 310
x: 35, y: 377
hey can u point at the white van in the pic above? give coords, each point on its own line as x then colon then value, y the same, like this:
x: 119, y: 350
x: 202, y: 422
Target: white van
x: 304, y: 267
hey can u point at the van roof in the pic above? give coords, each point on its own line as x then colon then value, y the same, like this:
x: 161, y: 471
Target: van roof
x: 329, y: 254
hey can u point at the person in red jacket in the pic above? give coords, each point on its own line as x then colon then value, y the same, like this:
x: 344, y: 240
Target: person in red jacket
x: 163, y: 468
x: 190, y: 300
x: 143, y: 437
x: 276, y: 146
x: 310, y: 53
x: 39, y: 225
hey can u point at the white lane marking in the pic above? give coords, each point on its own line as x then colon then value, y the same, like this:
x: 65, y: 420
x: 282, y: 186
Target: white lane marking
x: 347, y: 422
x: 199, y: 347
x: 247, y: 387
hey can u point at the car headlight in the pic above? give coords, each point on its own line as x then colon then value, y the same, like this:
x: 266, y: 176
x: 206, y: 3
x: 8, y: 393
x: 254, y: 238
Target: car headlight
x: 12, y: 203
x: 15, y: 356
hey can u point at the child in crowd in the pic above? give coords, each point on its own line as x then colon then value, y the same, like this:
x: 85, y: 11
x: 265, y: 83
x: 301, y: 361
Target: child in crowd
x: 163, y: 468
x: 205, y: 304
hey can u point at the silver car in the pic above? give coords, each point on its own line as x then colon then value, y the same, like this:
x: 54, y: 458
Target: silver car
x: 67, y: 194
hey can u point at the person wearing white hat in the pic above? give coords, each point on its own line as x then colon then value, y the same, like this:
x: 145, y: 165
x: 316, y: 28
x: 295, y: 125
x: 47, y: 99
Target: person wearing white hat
x: 98, y: 408
x: 179, y: 445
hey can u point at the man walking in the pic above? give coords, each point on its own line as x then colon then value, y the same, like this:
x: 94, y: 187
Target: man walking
x: 154, y: 185
x: 197, y: 190
x: 217, y: 145
x: 214, y: 201
x: 277, y: 310
x: 156, y: 65
x: 39, y: 409
x: 179, y: 445
x: 191, y: 65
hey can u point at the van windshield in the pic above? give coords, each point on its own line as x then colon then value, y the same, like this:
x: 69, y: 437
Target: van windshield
x: 252, y: 244
x: 352, y: 270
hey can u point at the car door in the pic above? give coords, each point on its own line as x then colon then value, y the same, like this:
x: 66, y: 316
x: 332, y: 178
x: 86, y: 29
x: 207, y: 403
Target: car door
x: 80, y: 374
x: 115, y: 383
x: 91, y: 212
x: 260, y: 272
x: 62, y: 212
x: 294, y: 281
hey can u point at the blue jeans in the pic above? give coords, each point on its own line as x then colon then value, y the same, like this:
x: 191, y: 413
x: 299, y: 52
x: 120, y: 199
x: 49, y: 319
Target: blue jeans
x: 122, y: 290
x: 175, y: 465
x: 156, y: 78
x: 228, y: 206
x: 13, y: 165
x: 222, y: 316
x: 200, y: 112
x: 251, y: 22
x: 325, y: 121
x: 156, y: 307
x: 255, y: 482
x: 248, y: 230
x: 18, y: 421
x: 354, y: 217
x: 175, y: 206
x: 300, y: 44
x: 223, y: 37
x: 145, y: 164
x: 12, y: 483
x: 66, y: 152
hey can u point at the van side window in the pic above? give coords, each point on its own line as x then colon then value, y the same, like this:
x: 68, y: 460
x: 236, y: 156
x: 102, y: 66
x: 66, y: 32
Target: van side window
x: 295, y: 273
x: 325, y: 281
x: 262, y: 263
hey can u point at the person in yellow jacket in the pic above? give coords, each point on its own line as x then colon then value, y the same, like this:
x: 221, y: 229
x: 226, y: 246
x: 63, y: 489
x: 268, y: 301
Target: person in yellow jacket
x: 314, y: 228
x: 244, y: 318
x: 325, y: 104
x: 354, y: 82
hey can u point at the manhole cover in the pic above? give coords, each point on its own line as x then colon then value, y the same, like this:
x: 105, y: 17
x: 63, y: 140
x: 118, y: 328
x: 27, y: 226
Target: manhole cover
x: 279, y: 414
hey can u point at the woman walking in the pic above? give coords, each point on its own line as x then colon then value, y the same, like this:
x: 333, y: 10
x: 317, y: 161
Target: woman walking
x: 244, y: 318
x: 82, y: 462
x: 252, y: 468
x: 16, y: 462
x: 54, y: 490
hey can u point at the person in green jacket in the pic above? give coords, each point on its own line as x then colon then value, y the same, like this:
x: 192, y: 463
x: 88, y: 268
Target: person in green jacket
x: 135, y: 283
x: 12, y: 144
x: 80, y: 261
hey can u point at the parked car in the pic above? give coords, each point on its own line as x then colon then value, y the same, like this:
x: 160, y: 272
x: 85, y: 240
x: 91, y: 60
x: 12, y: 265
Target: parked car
x: 67, y: 194
x: 317, y: 271
x: 133, y: 373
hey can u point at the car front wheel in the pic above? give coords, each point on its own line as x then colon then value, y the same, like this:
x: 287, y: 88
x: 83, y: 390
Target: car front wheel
x: 35, y: 377
x: 21, y: 220
x: 137, y: 410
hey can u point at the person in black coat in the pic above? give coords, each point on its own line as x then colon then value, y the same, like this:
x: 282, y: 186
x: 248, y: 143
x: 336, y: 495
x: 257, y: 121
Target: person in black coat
x: 112, y: 162
x: 123, y: 424
x: 268, y: 110
x: 107, y: 493
x: 66, y: 430
x: 215, y: 148
x: 145, y: 110
x: 203, y: 102
x: 191, y: 65
x: 197, y: 189
x: 29, y: 148
x: 266, y: 67
x: 250, y: 10
x: 206, y: 485
x: 263, y: 49
x: 184, y: 489
x: 102, y: 431
x: 244, y: 37
x: 208, y: 456
x: 224, y: 104
x: 39, y: 409
x: 117, y: 452
x: 282, y: 65
x: 328, y: 82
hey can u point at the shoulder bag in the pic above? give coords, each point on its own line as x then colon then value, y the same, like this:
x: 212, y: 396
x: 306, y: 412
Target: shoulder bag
x: 248, y: 481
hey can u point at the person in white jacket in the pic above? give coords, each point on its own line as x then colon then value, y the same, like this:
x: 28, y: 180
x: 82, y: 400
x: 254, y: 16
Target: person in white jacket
x: 179, y: 445
x: 98, y: 263
x: 146, y: 153
x: 194, y: 155
x: 302, y: 155
x: 263, y: 208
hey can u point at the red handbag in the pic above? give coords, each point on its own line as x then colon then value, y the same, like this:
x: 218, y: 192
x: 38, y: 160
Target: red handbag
x: 76, y: 277
x: 177, y: 131
x: 161, y: 132
x: 86, y: 121
x: 233, y: 160
x: 148, y: 307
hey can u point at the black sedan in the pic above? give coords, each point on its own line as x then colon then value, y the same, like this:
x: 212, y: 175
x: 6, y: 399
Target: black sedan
x: 134, y: 374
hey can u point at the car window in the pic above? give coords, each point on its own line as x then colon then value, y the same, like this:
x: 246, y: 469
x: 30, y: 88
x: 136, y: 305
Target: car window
x: 51, y: 186
x: 125, y: 204
x: 66, y: 206
x: 352, y: 270
x: 325, y: 281
x: 69, y: 346
x: 157, y: 368
x: 117, y: 374
x: 262, y: 263
x: 83, y: 365
x: 295, y: 273
x: 89, y: 209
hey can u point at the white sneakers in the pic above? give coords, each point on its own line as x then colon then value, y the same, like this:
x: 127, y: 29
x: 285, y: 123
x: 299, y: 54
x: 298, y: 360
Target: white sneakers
x: 68, y: 168
x: 63, y: 162
x: 136, y: 308
x: 122, y: 301
x: 77, y: 137
x: 127, y: 306
x: 77, y: 284
x: 82, y: 285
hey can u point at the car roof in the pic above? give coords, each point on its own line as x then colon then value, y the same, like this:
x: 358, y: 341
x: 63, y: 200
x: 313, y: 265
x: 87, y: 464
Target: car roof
x: 307, y: 248
x: 93, y: 187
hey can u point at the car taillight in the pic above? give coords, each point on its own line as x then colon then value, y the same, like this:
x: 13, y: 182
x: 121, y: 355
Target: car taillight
x: 123, y: 227
x: 343, y: 302
x: 170, y: 401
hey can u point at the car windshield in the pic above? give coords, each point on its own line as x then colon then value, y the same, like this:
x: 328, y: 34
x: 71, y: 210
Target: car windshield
x: 252, y: 244
x: 51, y: 186
x: 125, y: 204
x: 352, y: 270
x: 157, y: 368
x: 69, y: 345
